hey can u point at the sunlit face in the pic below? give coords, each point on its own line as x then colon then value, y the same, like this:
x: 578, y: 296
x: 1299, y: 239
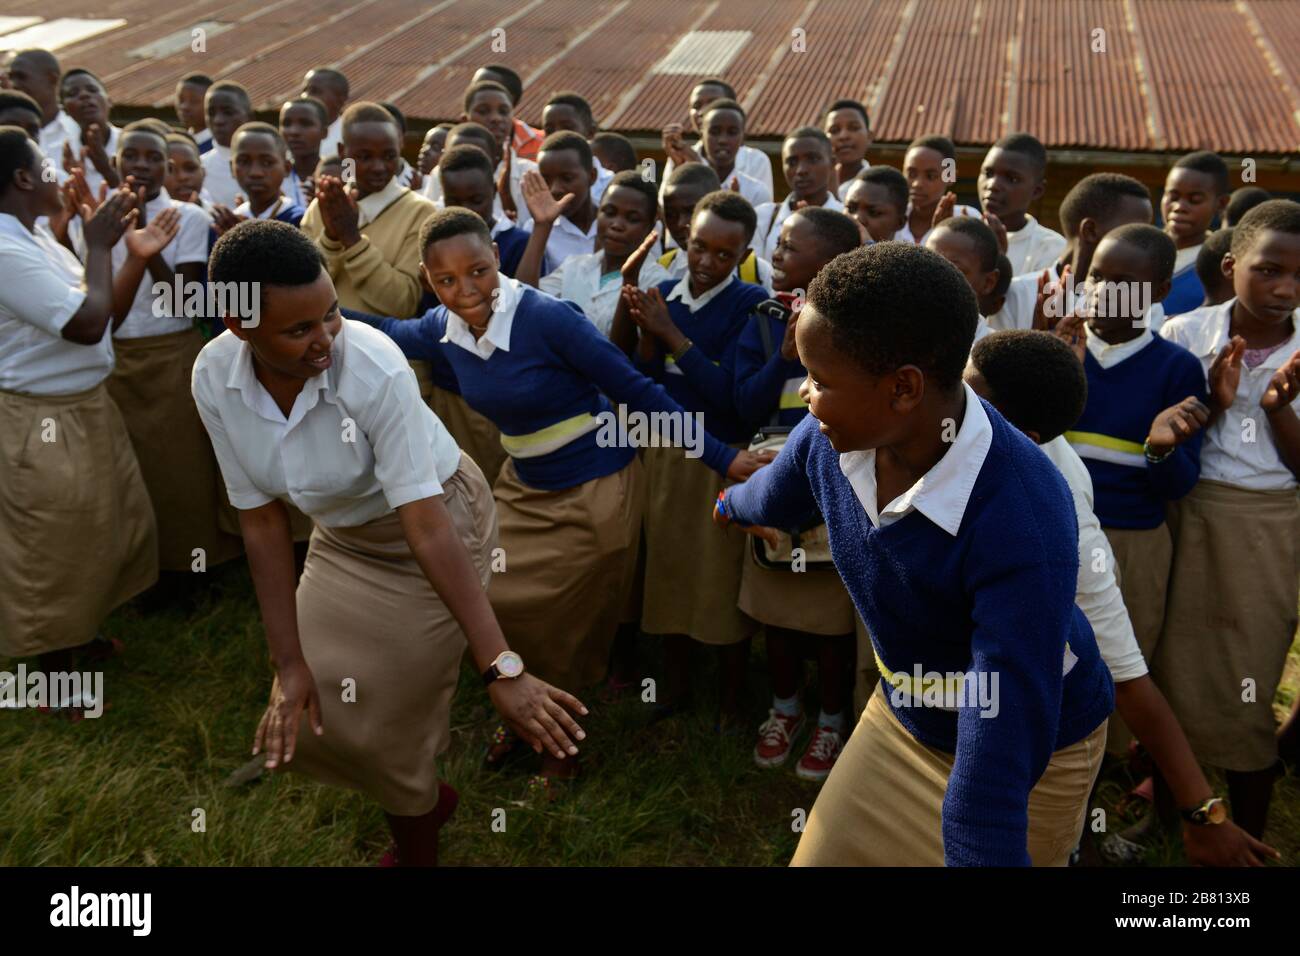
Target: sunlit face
x: 226, y: 113
x: 301, y: 127
x: 724, y: 134
x: 1008, y: 183
x: 376, y: 150
x: 462, y: 272
x: 714, y: 250
x: 184, y: 172
x: 565, y: 173
x: 923, y: 168
x: 189, y: 106
x: 85, y: 100
x: 872, y: 205
x: 848, y: 134
x: 493, y: 109
x: 258, y: 160
x: 798, y: 256
x: 853, y: 409
x: 1189, y: 203
x: 623, y: 220
x: 142, y: 156
x: 807, y: 165
x: 1266, y: 278
x: 1121, y: 284
x: 296, y: 328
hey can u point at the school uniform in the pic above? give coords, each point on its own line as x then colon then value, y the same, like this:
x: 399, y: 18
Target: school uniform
x: 1129, y: 384
x: 511, y: 242
x: 431, y: 189
x: 905, y: 234
x: 569, y: 499
x: 77, y: 534
x: 842, y: 190
x: 219, y: 178
x: 1231, y: 611
x: 973, y: 569
x: 94, y: 178
x: 62, y: 129
x: 749, y: 187
x: 155, y: 352
x: 405, y: 173
x: 283, y: 209
x: 697, y: 596
x: 567, y: 241
x: 583, y: 281
x: 204, y: 138
x: 771, y: 216
x: 1186, y: 291
x: 332, y: 144
x: 293, y: 188
x: 752, y: 269
x: 811, y: 600
x: 365, y: 609
x: 1033, y: 247
x: 603, y: 176
x: 518, y: 166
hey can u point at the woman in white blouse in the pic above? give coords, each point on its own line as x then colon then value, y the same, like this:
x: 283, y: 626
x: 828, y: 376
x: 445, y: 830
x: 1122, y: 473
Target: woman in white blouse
x: 305, y: 406
x: 77, y: 533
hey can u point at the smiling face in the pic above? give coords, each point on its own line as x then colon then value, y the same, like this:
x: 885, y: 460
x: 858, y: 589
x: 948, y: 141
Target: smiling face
x: 1008, y: 183
x: 724, y: 134
x: 849, y: 136
x: 798, y: 256
x: 962, y: 252
x: 807, y: 165
x: 143, y: 156
x: 1189, y: 204
x: 564, y: 173
x: 259, y: 167
x: 376, y: 149
x: 923, y: 168
x: 624, y: 219
x: 189, y: 106
x: 296, y: 329
x: 1266, y: 279
x: 702, y: 96
x: 1120, y: 285
x: 713, y: 251
x: 853, y: 410
x: 492, y: 108
x: 462, y: 271
x: 226, y: 113
x: 184, y: 172
x: 471, y: 189
x: 872, y: 205
x: 301, y: 128
x: 85, y: 100
x: 679, y: 205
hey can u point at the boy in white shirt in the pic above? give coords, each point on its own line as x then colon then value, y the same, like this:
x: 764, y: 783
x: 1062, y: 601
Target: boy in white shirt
x: 331, y: 88
x: 228, y: 107
x: 86, y: 100
x: 488, y: 103
x: 1012, y: 177
x: 806, y: 159
x: 571, y: 111
x: 36, y: 73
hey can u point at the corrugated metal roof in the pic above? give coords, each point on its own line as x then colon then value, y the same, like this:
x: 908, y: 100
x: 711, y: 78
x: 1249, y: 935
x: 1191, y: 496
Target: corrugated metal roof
x: 1133, y: 75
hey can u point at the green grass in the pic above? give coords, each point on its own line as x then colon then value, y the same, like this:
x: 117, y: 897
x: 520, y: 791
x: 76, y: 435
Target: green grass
x: 186, y: 696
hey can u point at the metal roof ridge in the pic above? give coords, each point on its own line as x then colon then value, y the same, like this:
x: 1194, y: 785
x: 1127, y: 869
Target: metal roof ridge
x: 575, y: 41
x: 1275, y: 63
x: 891, y: 63
x: 1155, y: 128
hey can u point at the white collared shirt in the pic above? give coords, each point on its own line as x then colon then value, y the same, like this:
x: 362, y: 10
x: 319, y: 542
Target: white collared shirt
x: 1238, y: 448
x: 40, y: 292
x: 567, y: 240
x: 755, y: 164
x: 218, y: 176
x: 62, y: 129
x: 358, y: 443
x: 749, y: 187
x: 579, y: 280
x: 270, y: 212
x: 772, y: 216
x: 905, y: 234
x: 942, y: 492
x: 1033, y: 247
x: 679, y: 263
x: 1108, y: 356
x: 332, y: 144
x: 603, y: 176
x: 370, y: 207
x: 431, y: 189
x: 518, y: 166
x: 497, y: 334
x: 94, y: 178
x: 682, y: 292
x: 293, y: 187
x: 1097, y: 592
x: 842, y: 190
x: 204, y: 138
x: 1185, y: 259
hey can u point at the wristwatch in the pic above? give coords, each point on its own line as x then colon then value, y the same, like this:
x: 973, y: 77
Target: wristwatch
x: 508, y: 664
x: 1212, y: 811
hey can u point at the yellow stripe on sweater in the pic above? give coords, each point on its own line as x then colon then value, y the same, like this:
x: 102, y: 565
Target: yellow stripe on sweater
x: 549, y: 439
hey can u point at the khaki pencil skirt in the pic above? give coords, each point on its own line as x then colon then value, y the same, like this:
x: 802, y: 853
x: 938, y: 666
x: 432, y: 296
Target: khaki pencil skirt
x: 77, y: 534
x: 568, y: 557
x: 477, y: 436
x: 371, y: 623
x: 1231, y: 619
x: 883, y: 802
x: 693, y: 567
x: 1142, y: 561
x: 151, y: 385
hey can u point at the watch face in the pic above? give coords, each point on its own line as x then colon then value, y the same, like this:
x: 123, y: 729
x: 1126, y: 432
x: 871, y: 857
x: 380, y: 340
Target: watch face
x: 1217, y: 812
x: 510, y: 664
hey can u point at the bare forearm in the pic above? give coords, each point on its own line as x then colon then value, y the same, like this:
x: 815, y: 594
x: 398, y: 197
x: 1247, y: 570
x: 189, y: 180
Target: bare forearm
x: 1151, y: 719
x: 268, y: 539
x: 89, y: 322
x: 623, y: 332
x: 530, y: 265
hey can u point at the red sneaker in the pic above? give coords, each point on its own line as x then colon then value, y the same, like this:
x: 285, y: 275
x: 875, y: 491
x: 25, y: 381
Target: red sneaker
x: 823, y: 750
x: 775, y: 738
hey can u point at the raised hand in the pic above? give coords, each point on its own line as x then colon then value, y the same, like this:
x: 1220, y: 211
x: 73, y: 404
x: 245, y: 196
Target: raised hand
x: 1176, y: 424
x: 110, y: 219
x: 650, y: 312
x: 675, y: 146
x: 943, y: 210
x: 1051, y: 301
x: 999, y: 230
x: 539, y: 713
x: 1283, y: 387
x: 147, y: 241
x: 503, y: 187
x: 1225, y: 374
x: 542, y: 206
x: 224, y: 219
x: 1070, y: 331
x: 631, y: 268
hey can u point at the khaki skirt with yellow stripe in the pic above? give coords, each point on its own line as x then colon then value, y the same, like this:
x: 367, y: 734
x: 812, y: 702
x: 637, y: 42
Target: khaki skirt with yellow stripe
x: 477, y: 436
x: 77, y: 534
x: 693, y: 567
x: 1231, y: 619
x: 882, y: 805
x: 385, y: 651
x: 151, y: 385
x: 568, y: 560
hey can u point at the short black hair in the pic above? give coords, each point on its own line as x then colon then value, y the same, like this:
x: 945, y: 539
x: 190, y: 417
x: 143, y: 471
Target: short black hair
x: 632, y: 179
x: 1209, y: 259
x: 568, y: 139
x: 725, y: 103
x: 731, y: 206
x: 889, y: 177
x: 1006, y: 272
x: 18, y: 100
x: 195, y: 79
x: 364, y: 111
x: 179, y: 137
x: 334, y: 78
x: 483, y: 86
x: 463, y: 157
x: 509, y: 79
x: 1279, y: 215
x: 450, y: 222
x: 17, y: 151
x: 1151, y: 242
x: 1026, y: 145
x: 316, y: 105
x: 979, y: 232
x: 808, y: 132
x: 265, y: 251
x: 621, y: 149
x: 1096, y: 197
x: 850, y: 105
x: 1037, y: 382
x: 1211, y: 164
x: 477, y: 131
x: 258, y: 128
x: 719, y: 83
x: 1243, y: 201
x: 893, y: 304
x: 234, y: 89
x: 940, y: 144
x: 577, y: 102
x: 80, y: 71
x: 397, y: 115
x: 836, y: 232
x: 695, y: 174
x: 149, y: 124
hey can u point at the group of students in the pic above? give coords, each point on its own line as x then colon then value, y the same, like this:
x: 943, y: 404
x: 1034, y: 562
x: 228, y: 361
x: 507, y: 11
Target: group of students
x: 1074, y: 455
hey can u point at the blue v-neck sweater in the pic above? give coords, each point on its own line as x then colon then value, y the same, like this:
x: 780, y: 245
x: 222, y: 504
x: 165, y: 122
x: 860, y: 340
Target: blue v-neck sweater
x: 558, y: 366
x: 996, y: 598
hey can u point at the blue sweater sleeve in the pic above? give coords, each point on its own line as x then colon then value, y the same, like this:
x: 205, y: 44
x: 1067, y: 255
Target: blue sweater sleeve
x: 759, y: 379
x: 1174, y: 477
x: 601, y: 362
x: 714, y: 382
x: 778, y: 495
x: 417, y: 338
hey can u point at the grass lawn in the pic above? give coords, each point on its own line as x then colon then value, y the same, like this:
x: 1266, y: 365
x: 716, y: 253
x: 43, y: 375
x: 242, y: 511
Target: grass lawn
x: 186, y: 696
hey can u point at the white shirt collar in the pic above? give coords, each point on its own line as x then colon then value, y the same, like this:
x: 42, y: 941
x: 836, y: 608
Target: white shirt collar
x: 943, y: 492
x: 682, y: 291
x: 565, y: 224
x: 1186, y: 258
x: 497, y: 335
x: 270, y: 212
x: 243, y: 379
x: 1108, y: 355
x: 371, y: 206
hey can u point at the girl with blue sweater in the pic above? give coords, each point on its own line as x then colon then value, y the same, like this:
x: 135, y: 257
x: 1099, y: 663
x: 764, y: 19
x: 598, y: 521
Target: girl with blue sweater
x: 569, y: 498
x: 986, y: 732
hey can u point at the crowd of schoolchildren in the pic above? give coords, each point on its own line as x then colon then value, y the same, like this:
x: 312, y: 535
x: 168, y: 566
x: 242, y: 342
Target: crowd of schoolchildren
x: 934, y: 439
